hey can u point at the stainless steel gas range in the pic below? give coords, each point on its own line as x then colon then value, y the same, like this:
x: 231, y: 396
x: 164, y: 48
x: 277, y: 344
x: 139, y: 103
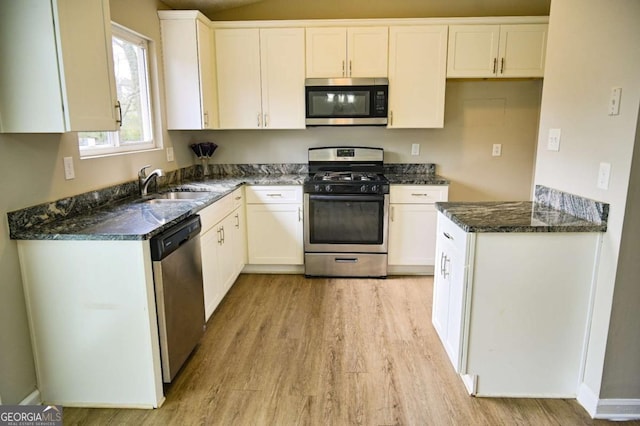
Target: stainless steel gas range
x: 346, y: 213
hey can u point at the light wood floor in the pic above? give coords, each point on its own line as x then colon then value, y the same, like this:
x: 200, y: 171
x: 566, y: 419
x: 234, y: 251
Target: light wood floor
x: 285, y: 350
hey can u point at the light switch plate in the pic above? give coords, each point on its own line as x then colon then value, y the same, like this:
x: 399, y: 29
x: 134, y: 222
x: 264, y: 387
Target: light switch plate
x: 170, y: 154
x: 554, y: 140
x: 415, y: 149
x: 614, y: 101
x: 69, y: 172
x: 497, y: 150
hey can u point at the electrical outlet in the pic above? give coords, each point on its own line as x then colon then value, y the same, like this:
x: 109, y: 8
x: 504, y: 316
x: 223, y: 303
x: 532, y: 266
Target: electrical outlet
x: 415, y: 149
x: 69, y: 172
x: 554, y: 140
x: 604, y: 173
x: 170, y: 154
x: 497, y: 150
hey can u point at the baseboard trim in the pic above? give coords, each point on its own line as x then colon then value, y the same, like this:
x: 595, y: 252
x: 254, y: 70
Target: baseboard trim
x: 608, y: 409
x: 32, y: 399
x: 273, y: 269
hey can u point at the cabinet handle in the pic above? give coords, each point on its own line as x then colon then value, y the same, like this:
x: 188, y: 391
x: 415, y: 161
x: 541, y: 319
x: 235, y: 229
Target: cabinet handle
x: 448, y: 236
x: 350, y: 68
x: 502, y: 66
x: 237, y: 221
x: 442, y: 264
x: 119, y: 119
x: 299, y: 214
x: 391, y: 118
x: 446, y: 272
x: 222, y: 229
x: 274, y: 195
x: 391, y: 216
x: 419, y: 195
x: 259, y: 119
x: 219, y: 236
x: 266, y: 120
x: 238, y: 198
x: 343, y: 73
x: 205, y: 119
x: 495, y: 65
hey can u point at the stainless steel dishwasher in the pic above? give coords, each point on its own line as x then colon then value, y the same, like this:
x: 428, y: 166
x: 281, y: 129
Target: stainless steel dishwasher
x: 177, y: 275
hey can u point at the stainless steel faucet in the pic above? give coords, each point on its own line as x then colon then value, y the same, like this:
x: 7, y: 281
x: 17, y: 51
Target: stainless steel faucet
x: 144, y: 180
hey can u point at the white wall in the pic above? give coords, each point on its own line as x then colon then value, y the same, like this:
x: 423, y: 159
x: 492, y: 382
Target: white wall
x: 594, y: 45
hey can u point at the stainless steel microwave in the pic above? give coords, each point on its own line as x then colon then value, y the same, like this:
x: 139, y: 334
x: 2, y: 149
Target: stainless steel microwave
x: 346, y: 101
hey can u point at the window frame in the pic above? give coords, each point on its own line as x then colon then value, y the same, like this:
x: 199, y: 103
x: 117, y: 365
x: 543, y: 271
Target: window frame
x: 151, y: 101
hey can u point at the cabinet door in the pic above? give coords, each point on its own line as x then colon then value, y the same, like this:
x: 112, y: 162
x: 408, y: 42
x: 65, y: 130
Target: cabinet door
x: 522, y: 50
x: 473, y: 50
x: 238, y: 69
x: 213, y: 292
x: 226, y: 252
x: 189, y: 72
x: 326, y: 52
x: 282, y: 68
x: 207, y: 77
x: 455, y: 269
x: 417, y: 76
x: 440, y: 311
x: 367, y: 49
x: 57, y: 69
x: 275, y: 234
x: 412, y: 234
x: 239, y: 231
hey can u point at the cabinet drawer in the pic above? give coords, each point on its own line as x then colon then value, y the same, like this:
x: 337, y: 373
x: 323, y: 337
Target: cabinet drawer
x: 238, y: 197
x: 284, y: 194
x: 214, y: 213
x: 452, y: 232
x: 418, y: 194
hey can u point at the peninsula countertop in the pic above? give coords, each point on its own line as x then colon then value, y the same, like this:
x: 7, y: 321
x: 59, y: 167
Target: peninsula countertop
x: 514, y: 216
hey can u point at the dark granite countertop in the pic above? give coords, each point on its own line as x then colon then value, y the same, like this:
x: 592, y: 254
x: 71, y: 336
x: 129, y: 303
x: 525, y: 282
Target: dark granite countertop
x: 516, y: 216
x: 135, y: 218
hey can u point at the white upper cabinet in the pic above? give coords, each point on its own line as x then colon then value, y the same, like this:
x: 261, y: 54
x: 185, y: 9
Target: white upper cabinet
x: 497, y: 50
x: 417, y: 76
x: 57, y: 67
x: 189, y: 70
x: 260, y: 78
x: 335, y: 52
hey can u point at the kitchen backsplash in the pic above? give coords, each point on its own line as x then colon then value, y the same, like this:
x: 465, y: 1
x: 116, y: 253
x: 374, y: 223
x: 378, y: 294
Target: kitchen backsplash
x: 584, y: 208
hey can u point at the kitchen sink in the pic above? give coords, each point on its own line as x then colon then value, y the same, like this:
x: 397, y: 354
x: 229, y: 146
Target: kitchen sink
x: 176, y: 196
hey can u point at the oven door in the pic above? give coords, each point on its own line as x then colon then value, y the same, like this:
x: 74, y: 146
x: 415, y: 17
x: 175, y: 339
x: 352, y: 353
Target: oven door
x: 346, y: 223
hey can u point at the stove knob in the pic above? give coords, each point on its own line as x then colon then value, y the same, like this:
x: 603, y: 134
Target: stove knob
x: 327, y: 188
x: 374, y: 188
x: 363, y: 188
x: 317, y: 188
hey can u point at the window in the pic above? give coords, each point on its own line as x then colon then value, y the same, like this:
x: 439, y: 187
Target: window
x: 131, y: 69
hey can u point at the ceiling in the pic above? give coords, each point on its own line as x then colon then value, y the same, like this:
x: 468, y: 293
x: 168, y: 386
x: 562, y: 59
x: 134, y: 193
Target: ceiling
x: 207, y: 6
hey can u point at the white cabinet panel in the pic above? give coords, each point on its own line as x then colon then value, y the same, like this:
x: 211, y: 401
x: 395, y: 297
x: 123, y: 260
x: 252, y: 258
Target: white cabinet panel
x: 346, y: 52
x: 260, y: 78
x: 189, y: 70
x: 274, y: 225
x: 412, y: 224
x: 417, y: 76
x: 497, y: 50
x: 57, y: 72
x: 239, y: 88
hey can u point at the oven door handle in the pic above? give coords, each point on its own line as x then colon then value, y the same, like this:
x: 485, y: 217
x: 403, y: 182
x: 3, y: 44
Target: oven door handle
x: 346, y: 197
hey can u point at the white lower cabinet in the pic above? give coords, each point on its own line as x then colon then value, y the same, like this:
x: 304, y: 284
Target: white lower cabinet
x: 412, y: 227
x: 274, y: 225
x: 223, y: 247
x: 512, y: 308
